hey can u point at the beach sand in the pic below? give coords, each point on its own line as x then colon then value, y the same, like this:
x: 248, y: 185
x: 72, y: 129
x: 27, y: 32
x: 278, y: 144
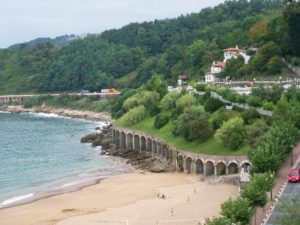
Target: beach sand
x: 131, y: 197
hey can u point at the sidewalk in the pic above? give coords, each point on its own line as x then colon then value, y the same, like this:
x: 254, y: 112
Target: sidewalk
x: 280, y: 179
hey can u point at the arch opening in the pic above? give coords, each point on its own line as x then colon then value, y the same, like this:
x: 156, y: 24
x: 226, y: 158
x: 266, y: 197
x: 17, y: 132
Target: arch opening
x: 143, y: 144
x: 221, y: 168
x: 233, y: 168
x: 188, y: 164
x: 129, y: 141
x: 209, y: 168
x: 180, y: 163
x: 199, y: 166
x: 137, y: 146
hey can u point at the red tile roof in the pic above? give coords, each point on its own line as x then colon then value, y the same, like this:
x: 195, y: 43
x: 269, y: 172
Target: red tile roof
x: 218, y: 64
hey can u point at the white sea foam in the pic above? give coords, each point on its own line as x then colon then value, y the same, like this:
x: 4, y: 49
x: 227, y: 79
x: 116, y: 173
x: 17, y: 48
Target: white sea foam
x: 47, y: 115
x: 4, y: 112
x: 15, y: 199
x: 71, y: 184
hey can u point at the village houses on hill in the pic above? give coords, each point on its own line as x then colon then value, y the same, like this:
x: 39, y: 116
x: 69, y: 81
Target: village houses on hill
x: 219, y: 66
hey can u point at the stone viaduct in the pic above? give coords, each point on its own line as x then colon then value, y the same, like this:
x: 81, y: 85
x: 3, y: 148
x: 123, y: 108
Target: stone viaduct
x: 182, y: 161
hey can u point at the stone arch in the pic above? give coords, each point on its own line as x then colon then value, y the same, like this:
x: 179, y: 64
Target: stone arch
x: 169, y: 154
x: 143, y: 144
x: 149, y: 145
x: 246, y: 166
x: 221, y: 168
x: 130, y: 141
x: 188, y: 164
x: 137, y: 145
x: 154, y: 145
x: 199, y: 166
x: 209, y: 168
x: 117, y: 139
x: 180, y: 163
x: 164, y: 149
x: 123, y: 141
x: 159, y: 148
x: 233, y: 167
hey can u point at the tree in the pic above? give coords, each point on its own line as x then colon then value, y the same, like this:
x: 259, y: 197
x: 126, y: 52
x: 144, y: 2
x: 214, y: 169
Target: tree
x: 193, y: 124
x: 256, y: 132
x: 212, y: 105
x: 168, y: 102
x: 258, y: 32
x: 133, y: 116
x: 218, y: 221
x: 274, y: 65
x: 256, y: 195
x: 265, y: 53
x: 238, y: 211
x: 158, y: 84
x: 185, y: 101
x: 232, y: 133
x: 291, y: 15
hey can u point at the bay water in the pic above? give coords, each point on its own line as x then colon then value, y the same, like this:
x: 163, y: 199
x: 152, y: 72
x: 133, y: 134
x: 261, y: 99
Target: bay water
x: 41, y: 155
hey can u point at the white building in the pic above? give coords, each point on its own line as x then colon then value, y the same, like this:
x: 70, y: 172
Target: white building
x: 210, y: 78
x: 230, y: 53
x: 217, y: 67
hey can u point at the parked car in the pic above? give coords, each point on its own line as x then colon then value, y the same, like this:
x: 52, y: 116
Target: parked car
x: 294, y: 175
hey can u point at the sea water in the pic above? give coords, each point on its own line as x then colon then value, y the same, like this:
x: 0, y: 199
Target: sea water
x: 41, y: 155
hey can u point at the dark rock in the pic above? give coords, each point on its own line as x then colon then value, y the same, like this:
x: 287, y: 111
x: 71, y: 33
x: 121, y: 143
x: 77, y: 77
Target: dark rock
x: 89, y: 138
x: 105, y: 143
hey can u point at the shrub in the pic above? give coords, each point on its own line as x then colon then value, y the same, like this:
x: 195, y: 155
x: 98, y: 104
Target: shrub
x: 161, y: 120
x: 256, y: 132
x: 30, y: 102
x: 253, y: 101
x: 213, y: 105
x: 133, y: 116
x: 193, y: 124
x: 232, y: 133
x: 268, y: 106
x: 250, y: 115
x: 168, y: 102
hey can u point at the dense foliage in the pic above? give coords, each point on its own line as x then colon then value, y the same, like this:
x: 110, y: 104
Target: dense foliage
x: 129, y: 56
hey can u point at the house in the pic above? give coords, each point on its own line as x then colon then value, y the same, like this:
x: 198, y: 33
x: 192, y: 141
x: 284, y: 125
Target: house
x: 255, y: 47
x: 230, y: 53
x: 182, y: 79
x: 210, y: 78
x: 217, y: 67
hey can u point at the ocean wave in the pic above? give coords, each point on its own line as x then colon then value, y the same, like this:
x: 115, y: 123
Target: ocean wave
x: 5, y: 112
x: 15, y: 199
x: 47, y: 115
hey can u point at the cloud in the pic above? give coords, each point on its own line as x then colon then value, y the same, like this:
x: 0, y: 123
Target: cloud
x: 24, y: 20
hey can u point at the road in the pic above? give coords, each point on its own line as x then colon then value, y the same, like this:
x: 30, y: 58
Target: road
x: 292, y: 190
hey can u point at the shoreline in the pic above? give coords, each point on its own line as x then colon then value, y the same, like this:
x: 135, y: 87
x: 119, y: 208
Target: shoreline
x: 69, y: 185
x: 80, y: 114
x: 131, y: 196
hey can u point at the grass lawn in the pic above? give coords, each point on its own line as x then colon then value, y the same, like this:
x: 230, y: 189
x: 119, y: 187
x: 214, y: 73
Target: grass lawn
x: 211, y: 146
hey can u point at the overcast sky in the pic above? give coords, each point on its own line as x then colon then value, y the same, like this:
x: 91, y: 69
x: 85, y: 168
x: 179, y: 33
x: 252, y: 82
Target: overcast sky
x: 24, y: 20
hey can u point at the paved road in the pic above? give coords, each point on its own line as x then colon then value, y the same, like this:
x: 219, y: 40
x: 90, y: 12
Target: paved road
x: 292, y: 190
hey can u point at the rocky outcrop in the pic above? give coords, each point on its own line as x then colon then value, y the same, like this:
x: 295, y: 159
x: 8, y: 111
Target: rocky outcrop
x: 96, y: 116
x: 103, y: 137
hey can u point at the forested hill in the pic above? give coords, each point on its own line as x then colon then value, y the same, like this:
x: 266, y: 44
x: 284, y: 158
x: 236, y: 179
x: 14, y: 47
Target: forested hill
x: 60, y: 41
x: 129, y: 56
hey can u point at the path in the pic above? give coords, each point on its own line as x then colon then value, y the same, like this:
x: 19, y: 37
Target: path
x: 281, y: 178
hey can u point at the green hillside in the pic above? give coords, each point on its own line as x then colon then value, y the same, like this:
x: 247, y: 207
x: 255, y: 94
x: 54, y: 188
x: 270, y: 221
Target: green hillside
x: 184, y: 45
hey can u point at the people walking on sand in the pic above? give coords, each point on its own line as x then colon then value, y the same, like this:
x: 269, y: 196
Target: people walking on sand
x: 172, y: 212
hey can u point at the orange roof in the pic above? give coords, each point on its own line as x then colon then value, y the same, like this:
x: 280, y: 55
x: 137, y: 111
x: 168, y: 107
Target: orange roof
x: 183, y: 77
x: 233, y: 50
x: 218, y: 64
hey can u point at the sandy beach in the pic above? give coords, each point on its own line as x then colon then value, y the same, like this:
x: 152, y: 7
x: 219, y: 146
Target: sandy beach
x: 131, y: 197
